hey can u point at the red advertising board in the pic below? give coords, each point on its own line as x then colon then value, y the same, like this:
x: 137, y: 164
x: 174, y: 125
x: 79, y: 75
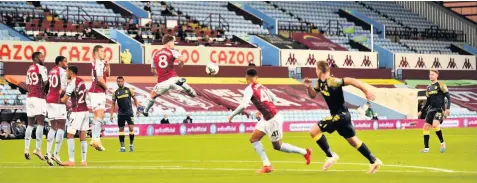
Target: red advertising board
x: 20, y: 51
x: 316, y: 42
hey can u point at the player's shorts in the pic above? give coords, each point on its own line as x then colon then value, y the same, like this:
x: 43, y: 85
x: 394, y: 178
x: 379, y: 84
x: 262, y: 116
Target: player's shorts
x: 170, y: 84
x: 56, y: 111
x: 35, y: 106
x: 79, y: 121
x: 340, y: 122
x: 434, y: 115
x: 97, y: 101
x: 273, y: 127
x: 123, y: 119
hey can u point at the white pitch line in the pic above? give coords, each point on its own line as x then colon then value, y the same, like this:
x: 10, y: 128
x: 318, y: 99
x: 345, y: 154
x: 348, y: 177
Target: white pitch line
x: 202, y: 169
x: 247, y: 161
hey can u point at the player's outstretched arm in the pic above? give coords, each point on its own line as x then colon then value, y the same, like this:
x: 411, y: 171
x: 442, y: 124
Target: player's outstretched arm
x: 309, y: 89
x: 244, y: 104
x: 354, y: 82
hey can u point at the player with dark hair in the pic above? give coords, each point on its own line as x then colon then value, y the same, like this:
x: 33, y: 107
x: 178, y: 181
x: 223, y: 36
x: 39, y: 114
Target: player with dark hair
x: 97, y: 94
x: 162, y: 66
x: 123, y: 97
x: 56, y: 110
x: 37, y: 81
x: 79, y: 117
x: 340, y: 120
x: 436, y: 94
x: 270, y: 125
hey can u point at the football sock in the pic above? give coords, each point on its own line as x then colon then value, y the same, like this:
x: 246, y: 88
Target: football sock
x: 439, y: 134
x: 39, y: 136
x: 261, y: 152
x: 59, y: 140
x: 84, y: 150
x: 121, y: 139
x: 131, y: 138
x: 150, y: 103
x: 426, y: 138
x: 323, y: 143
x: 363, y: 149
x: 28, y: 133
x: 96, y: 132
x: 71, y: 149
x: 288, y: 148
x: 49, y: 141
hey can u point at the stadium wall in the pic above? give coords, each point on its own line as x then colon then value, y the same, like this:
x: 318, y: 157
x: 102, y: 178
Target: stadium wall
x: 271, y: 54
x: 135, y: 48
x: 385, y: 57
x: 13, y: 32
x: 355, y: 73
x: 271, y: 22
x: 19, y: 68
x: 443, y: 74
x: 138, y: 11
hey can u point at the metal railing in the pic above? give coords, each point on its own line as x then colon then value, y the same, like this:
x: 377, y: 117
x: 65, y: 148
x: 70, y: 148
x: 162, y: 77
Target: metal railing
x: 216, y: 18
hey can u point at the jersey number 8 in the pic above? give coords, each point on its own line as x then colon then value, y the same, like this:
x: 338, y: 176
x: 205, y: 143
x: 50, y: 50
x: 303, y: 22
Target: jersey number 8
x: 162, y: 61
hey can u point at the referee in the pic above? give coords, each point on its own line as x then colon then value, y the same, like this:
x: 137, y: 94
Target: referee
x: 123, y: 97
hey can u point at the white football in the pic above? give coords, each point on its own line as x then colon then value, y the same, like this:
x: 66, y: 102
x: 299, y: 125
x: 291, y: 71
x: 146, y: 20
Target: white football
x: 212, y: 69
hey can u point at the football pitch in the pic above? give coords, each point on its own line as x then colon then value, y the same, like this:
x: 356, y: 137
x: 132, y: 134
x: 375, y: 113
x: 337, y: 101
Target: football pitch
x: 231, y: 158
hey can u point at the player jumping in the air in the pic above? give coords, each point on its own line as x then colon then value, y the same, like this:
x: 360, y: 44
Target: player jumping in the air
x: 271, y: 125
x: 97, y: 93
x: 79, y: 117
x: 340, y: 120
x: 163, y: 67
x: 36, y: 80
x: 436, y: 94
x: 56, y: 110
x: 123, y: 96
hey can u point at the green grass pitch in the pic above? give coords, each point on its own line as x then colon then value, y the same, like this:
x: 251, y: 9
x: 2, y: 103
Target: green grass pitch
x: 231, y: 158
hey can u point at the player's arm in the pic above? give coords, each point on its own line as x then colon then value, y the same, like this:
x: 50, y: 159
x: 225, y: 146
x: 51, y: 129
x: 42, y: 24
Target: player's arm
x: 243, y: 104
x: 273, y: 97
x: 448, y: 97
x: 181, y: 58
x: 113, y: 106
x: 64, y: 81
x: 353, y: 82
x: 153, y: 68
x: 99, y: 69
x: 69, y: 90
x: 309, y: 89
x: 133, y: 95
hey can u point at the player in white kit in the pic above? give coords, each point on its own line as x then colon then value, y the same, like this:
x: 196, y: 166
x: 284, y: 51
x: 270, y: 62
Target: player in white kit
x: 56, y: 110
x: 37, y: 81
x: 100, y: 71
x: 271, y: 124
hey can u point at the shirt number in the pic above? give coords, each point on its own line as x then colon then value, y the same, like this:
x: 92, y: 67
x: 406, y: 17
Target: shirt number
x: 32, y: 78
x: 162, y: 61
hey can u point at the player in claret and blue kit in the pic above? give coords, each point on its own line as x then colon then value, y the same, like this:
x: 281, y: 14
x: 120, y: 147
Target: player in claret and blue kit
x: 270, y: 125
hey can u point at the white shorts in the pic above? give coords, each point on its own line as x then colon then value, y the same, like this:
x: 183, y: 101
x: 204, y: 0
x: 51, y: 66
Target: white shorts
x: 56, y: 111
x: 170, y: 84
x: 79, y: 121
x: 273, y: 127
x: 35, y: 106
x: 97, y: 101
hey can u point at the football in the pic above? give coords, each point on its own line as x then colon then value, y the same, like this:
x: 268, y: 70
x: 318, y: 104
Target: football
x: 212, y: 69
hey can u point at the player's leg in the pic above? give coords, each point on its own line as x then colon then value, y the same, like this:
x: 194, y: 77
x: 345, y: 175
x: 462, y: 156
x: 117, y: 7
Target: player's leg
x: 425, y: 130
x: 275, y: 133
x: 257, y: 135
x: 60, y: 134
x: 436, y: 124
x: 99, y: 105
x: 28, y: 132
x: 71, y: 131
x: 316, y: 132
x: 157, y: 91
x: 49, y: 141
x: 131, y: 133
x: 83, y: 128
x: 182, y: 83
x: 121, y: 123
x: 40, y: 120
